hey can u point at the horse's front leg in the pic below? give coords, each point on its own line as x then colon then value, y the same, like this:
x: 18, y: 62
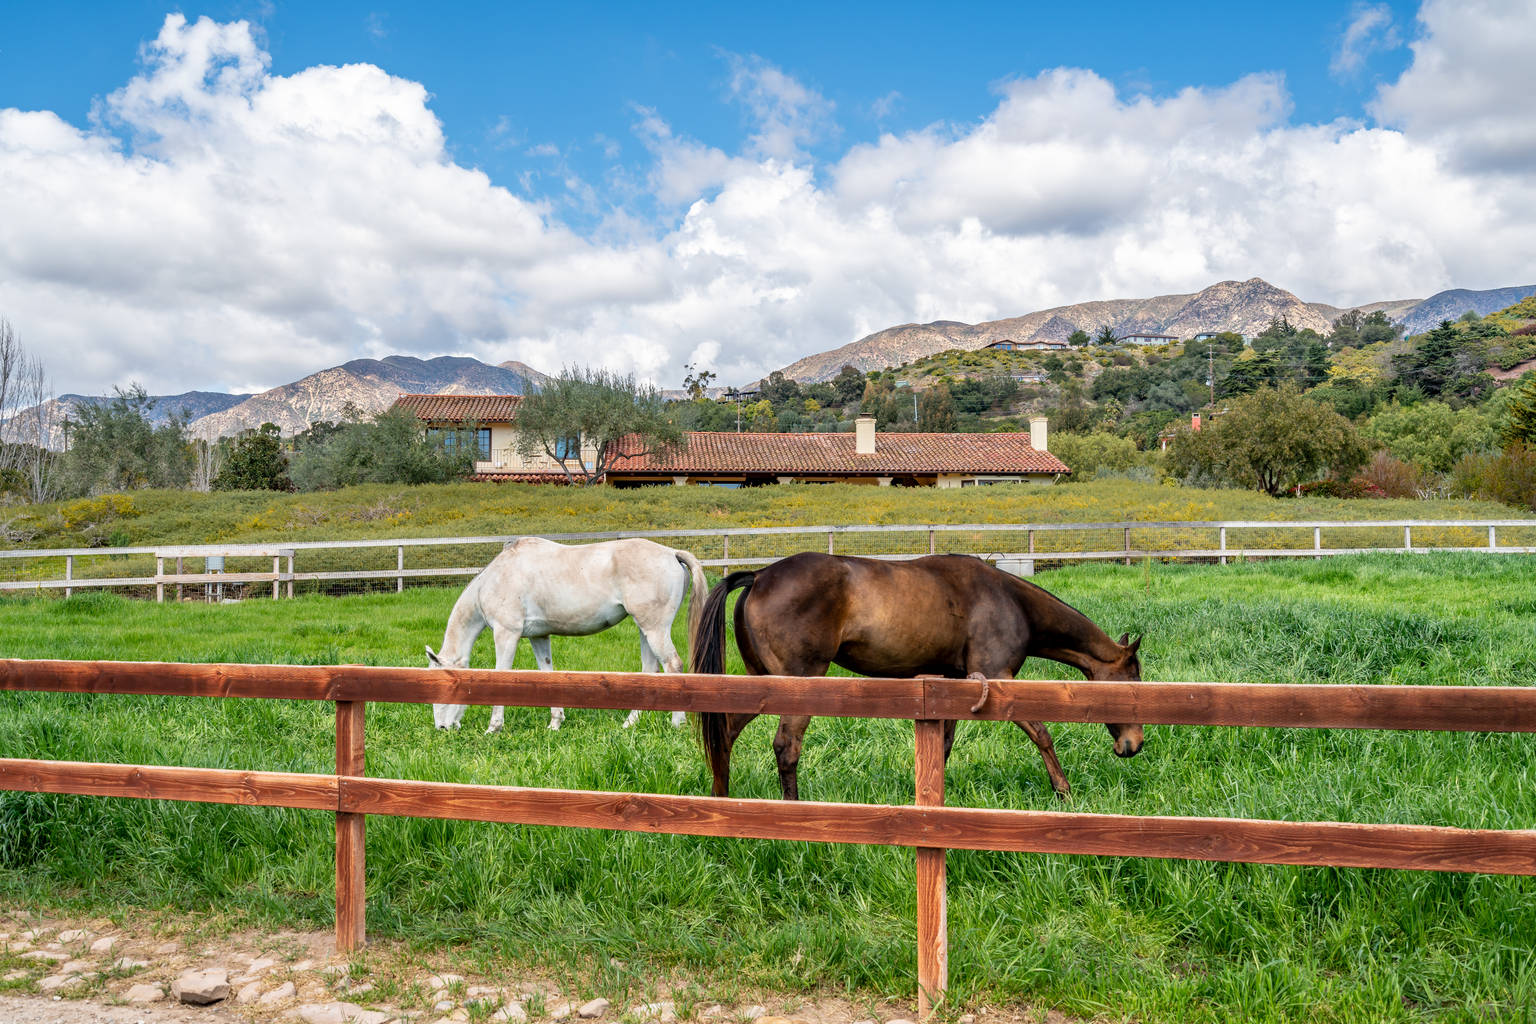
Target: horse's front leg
x: 1042, y: 738
x: 546, y: 662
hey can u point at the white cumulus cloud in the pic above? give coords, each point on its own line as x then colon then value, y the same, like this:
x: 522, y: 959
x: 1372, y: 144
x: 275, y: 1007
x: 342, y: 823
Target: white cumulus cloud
x: 256, y: 227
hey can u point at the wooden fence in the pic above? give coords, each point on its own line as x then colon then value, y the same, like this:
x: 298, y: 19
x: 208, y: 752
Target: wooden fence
x: 926, y: 825
x: 1017, y: 546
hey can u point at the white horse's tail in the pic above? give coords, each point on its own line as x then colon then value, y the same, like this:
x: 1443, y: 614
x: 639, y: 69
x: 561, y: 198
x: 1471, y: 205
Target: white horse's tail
x: 700, y: 589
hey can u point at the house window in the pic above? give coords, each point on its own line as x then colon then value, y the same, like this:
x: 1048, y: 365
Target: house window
x: 568, y: 447
x: 483, y: 444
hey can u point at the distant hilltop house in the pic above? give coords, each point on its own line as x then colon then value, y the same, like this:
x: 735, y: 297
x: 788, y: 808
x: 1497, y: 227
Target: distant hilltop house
x: 1009, y: 345
x: 749, y: 459
x: 1146, y: 338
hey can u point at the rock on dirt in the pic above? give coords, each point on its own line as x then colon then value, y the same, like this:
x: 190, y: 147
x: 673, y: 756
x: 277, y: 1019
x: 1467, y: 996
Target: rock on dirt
x: 201, y: 987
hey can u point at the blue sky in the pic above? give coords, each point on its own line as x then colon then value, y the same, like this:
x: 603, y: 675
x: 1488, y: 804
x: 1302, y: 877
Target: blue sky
x: 231, y: 195
x: 507, y: 79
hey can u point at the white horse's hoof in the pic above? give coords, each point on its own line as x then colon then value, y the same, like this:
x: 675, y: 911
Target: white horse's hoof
x: 627, y: 724
x: 554, y: 726
x: 493, y: 730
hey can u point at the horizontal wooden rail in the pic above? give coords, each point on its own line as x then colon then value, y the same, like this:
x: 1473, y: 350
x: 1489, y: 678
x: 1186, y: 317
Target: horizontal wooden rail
x: 1285, y: 705
x: 153, y: 782
x: 1416, y: 847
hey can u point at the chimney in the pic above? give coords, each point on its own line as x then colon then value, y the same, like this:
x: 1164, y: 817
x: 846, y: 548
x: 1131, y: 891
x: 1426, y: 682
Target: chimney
x: 864, y: 435
x: 1194, y: 423
x: 1037, y: 433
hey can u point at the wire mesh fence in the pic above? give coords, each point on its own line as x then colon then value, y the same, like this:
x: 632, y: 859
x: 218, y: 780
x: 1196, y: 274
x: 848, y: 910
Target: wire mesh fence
x: 238, y: 572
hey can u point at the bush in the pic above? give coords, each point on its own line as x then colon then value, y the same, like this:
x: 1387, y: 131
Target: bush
x: 1390, y: 477
x: 1508, y: 477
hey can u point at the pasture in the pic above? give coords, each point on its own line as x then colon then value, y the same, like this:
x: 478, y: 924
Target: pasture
x: 1122, y: 938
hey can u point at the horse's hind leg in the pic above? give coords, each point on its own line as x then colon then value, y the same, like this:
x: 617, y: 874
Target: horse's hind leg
x: 506, y: 650
x: 786, y: 751
x: 546, y: 662
x: 656, y: 643
x: 648, y: 663
x: 720, y: 761
x: 1042, y: 737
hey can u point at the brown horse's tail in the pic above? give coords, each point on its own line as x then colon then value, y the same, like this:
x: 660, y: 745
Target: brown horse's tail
x: 706, y: 644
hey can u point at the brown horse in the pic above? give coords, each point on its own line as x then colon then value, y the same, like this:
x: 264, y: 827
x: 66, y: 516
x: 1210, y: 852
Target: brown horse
x: 946, y: 615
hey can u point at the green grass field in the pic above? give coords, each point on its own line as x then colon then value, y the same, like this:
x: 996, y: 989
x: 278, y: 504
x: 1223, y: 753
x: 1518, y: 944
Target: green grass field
x: 1120, y: 938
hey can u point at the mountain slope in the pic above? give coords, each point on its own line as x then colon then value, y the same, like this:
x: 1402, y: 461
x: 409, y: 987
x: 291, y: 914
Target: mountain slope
x: 368, y: 385
x: 1448, y: 305
x: 1242, y: 306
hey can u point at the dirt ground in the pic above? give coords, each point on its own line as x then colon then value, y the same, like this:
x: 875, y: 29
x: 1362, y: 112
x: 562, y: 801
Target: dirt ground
x: 60, y: 971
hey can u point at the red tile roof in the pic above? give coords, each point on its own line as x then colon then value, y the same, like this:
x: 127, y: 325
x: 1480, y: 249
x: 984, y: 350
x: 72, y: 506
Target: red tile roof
x: 479, y: 408
x: 833, y: 455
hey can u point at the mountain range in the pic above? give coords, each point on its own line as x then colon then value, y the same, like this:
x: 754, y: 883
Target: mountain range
x: 365, y: 385
x: 1245, y: 307
x: 371, y: 385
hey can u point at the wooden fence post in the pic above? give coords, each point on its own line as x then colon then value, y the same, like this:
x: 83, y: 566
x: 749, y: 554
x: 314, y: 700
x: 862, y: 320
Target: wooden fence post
x: 829, y: 543
x: 290, y: 574
x: 351, y: 905
x: 1223, y: 545
x: 159, y: 586
x: 400, y: 568
x: 69, y: 566
x: 1127, y: 544
x: 932, y: 910
x: 1317, y: 541
x: 180, y: 568
x: 277, y: 571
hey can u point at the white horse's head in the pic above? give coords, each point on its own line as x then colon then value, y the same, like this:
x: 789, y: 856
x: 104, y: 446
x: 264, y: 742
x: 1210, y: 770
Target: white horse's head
x: 446, y: 716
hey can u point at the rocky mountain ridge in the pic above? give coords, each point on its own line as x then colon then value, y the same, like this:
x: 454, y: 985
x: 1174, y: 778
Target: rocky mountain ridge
x: 367, y: 386
x: 1245, y: 307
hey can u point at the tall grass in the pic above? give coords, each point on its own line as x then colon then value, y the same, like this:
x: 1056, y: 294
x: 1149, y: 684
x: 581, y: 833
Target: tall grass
x: 1126, y: 938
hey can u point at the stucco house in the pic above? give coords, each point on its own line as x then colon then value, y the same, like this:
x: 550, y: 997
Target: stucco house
x: 749, y: 459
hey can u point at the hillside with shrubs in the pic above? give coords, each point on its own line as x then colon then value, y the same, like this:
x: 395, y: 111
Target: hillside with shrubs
x: 1355, y: 412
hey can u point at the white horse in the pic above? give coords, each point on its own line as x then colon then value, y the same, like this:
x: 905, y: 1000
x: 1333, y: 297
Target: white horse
x: 538, y: 589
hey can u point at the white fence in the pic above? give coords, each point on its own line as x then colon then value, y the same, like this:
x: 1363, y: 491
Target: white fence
x: 216, y: 570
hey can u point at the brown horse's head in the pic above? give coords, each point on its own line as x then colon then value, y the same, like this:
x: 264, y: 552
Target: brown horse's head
x: 1127, y: 668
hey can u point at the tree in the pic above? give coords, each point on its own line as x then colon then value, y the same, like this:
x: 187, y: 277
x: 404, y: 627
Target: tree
x: 1086, y: 454
x: 1079, y: 338
x: 936, y: 410
x: 1445, y: 364
x: 391, y: 448
x: 1431, y: 435
x: 27, y: 420
x: 1520, y: 426
x: 1272, y: 440
x: 610, y: 416
x: 848, y: 385
x: 697, y: 382
x: 255, y: 463
x: 115, y: 447
x: 1106, y: 336
x: 778, y: 389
